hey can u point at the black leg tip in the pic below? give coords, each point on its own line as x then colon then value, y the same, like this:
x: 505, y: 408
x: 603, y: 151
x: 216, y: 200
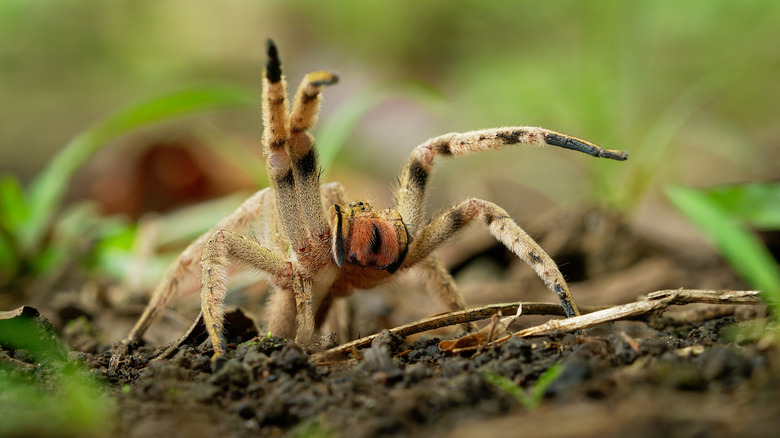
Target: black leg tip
x: 615, y: 155
x: 217, y: 363
x: 578, y: 145
x: 271, y: 50
x: 273, y: 68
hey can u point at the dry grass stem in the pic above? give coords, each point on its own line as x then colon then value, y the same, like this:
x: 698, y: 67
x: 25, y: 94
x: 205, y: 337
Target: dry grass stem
x: 592, y: 316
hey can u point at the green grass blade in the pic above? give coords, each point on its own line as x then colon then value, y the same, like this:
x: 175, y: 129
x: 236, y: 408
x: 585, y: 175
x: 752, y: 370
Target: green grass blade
x: 13, y: 216
x: 545, y: 380
x: 758, y: 204
x: 743, y: 250
x: 13, y: 207
x: 532, y: 399
x: 512, y: 388
x: 48, y: 188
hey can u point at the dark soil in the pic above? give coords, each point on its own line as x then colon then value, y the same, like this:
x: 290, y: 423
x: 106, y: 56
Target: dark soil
x: 717, y: 377
x: 682, y: 381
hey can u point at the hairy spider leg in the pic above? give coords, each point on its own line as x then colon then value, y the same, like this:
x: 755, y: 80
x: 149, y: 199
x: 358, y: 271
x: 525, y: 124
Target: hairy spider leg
x: 222, y: 247
x: 503, y: 228
x: 411, y: 193
x: 300, y: 148
x: 276, y: 134
x: 255, y: 209
x: 440, y: 284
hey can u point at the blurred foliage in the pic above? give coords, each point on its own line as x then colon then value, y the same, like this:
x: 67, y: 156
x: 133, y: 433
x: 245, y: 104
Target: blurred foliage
x: 35, y: 238
x: 49, y: 396
x: 28, y: 218
x: 728, y: 216
x: 680, y: 86
x: 687, y: 89
x: 531, y: 398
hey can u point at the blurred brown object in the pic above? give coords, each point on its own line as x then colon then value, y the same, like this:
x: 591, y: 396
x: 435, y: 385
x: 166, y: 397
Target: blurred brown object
x: 163, y: 176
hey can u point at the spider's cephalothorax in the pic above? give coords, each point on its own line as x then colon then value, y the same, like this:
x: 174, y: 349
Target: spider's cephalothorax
x: 315, y: 246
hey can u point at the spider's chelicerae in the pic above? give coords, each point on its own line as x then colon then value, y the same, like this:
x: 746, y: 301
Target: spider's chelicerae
x: 316, y: 246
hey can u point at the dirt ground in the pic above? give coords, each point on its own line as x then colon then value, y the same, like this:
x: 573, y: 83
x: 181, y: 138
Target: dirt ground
x: 683, y: 376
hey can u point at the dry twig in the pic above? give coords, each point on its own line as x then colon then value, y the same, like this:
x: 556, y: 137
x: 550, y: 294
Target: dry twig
x: 592, y: 315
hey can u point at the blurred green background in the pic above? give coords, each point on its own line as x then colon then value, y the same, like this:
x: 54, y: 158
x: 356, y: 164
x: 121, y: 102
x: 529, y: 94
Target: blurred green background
x: 691, y: 84
x: 689, y: 89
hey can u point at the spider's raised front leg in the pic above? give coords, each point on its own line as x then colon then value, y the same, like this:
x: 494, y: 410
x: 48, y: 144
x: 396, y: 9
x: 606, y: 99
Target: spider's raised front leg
x: 291, y: 162
x: 411, y: 193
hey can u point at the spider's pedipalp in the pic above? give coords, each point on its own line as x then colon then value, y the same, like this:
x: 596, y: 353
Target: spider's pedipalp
x: 502, y: 227
x: 280, y: 314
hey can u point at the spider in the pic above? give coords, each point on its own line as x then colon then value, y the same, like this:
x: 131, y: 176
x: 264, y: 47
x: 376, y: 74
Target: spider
x: 315, y: 246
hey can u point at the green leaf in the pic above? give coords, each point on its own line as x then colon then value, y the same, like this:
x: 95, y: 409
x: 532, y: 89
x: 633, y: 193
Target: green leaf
x: 758, y: 204
x: 532, y: 399
x: 13, y: 216
x: 47, y: 190
x: 13, y: 208
x: 547, y: 378
x: 743, y: 250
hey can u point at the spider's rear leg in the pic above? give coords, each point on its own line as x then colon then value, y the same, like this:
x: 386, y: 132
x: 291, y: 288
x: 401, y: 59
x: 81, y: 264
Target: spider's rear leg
x: 441, y: 285
x: 503, y: 228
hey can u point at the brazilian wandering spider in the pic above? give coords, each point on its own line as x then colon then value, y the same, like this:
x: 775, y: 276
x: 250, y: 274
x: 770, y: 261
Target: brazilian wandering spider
x: 315, y: 246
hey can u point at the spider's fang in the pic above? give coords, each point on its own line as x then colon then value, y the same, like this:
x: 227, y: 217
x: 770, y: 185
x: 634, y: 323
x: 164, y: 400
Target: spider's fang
x: 273, y: 68
x: 579, y: 145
